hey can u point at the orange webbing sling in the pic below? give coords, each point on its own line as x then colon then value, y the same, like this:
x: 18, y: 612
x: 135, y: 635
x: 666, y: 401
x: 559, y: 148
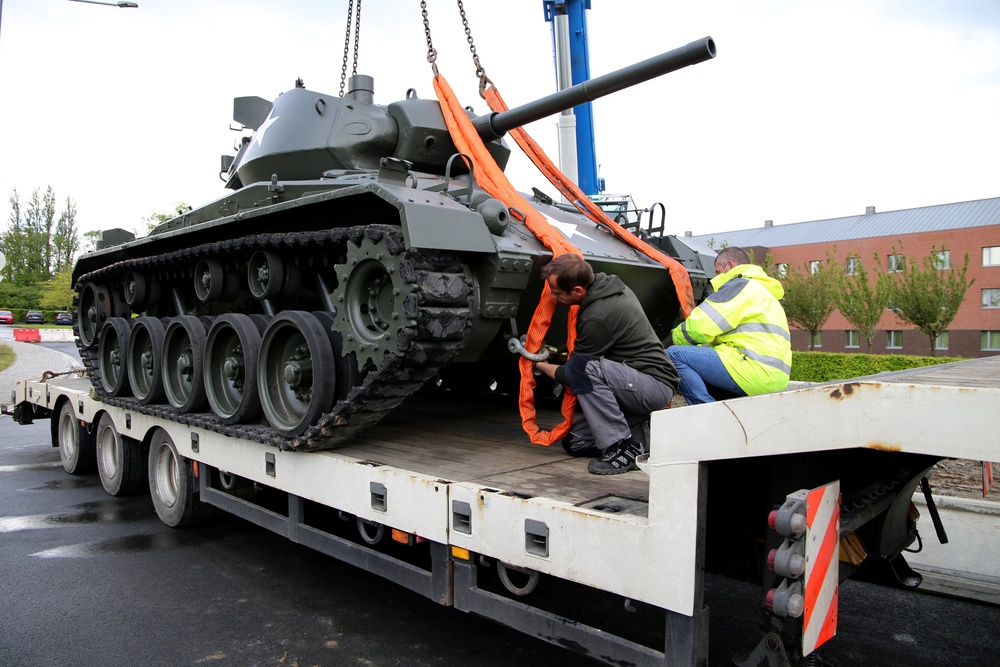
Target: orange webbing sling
x: 569, y: 190
x: 492, y: 179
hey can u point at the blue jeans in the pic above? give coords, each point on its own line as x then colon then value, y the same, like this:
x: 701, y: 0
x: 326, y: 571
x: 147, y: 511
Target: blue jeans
x: 704, y: 378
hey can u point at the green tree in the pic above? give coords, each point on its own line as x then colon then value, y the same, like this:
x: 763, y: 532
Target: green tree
x: 65, y: 241
x: 57, y: 294
x: 11, y: 241
x: 808, y: 300
x: 929, y: 296
x: 157, y: 217
x: 35, y: 244
x: 860, y: 299
x: 90, y: 239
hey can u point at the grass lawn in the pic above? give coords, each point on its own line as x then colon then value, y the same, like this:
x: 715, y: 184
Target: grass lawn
x: 21, y: 325
x: 6, y: 356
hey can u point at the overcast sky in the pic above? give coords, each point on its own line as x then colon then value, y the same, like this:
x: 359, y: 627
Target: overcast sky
x: 811, y: 110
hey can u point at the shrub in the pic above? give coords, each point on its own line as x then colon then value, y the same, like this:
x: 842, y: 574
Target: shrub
x: 826, y: 366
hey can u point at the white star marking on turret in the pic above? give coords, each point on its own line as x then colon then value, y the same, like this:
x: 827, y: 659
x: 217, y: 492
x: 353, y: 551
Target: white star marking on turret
x: 258, y: 136
x: 567, y: 229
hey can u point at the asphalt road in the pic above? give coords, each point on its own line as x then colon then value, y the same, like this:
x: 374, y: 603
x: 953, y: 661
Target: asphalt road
x: 88, y: 579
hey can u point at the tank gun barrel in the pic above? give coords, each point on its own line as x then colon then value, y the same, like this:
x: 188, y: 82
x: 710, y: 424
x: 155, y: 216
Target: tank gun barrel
x: 494, y: 126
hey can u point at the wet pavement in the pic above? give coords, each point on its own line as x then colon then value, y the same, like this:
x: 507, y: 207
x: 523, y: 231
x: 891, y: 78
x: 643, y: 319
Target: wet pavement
x: 32, y: 360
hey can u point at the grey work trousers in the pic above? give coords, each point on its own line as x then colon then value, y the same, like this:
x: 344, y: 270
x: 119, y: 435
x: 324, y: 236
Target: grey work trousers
x: 618, y: 407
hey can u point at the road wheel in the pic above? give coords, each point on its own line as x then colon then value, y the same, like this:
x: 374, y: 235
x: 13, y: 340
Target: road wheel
x: 121, y: 461
x: 183, y: 352
x: 112, y: 356
x: 296, y: 374
x: 230, y: 368
x: 76, y: 445
x: 172, y: 484
x: 145, y: 347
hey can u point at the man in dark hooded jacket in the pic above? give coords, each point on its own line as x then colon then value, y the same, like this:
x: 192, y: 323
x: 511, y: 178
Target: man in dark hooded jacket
x: 618, y: 371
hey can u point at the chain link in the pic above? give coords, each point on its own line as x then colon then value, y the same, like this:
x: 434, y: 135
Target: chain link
x: 356, y: 19
x: 357, y: 39
x: 480, y: 70
x: 432, y: 53
x: 347, y: 47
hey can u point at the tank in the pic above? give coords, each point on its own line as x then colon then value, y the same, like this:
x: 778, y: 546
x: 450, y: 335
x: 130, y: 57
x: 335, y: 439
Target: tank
x: 354, y: 262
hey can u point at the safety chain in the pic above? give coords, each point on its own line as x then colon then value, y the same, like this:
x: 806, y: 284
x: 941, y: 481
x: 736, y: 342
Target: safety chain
x: 347, y: 43
x: 480, y: 70
x: 432, y: 53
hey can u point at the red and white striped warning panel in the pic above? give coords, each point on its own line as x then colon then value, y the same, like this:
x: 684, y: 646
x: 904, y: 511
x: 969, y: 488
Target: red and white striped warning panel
x: 819, y: 621
x: 987, y: 478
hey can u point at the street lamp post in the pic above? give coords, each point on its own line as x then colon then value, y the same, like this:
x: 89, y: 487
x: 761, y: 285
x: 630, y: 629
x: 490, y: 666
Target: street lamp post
x: 123, y: 5
x: 109, y: 4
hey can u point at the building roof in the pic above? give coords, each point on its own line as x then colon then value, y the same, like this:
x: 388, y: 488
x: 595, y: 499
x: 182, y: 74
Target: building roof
x: 979, y: 213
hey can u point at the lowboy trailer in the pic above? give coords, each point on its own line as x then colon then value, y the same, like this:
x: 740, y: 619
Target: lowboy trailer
x: 797, y: 490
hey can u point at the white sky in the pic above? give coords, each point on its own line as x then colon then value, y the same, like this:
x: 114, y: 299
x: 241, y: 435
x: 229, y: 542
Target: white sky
x: 811, y: 109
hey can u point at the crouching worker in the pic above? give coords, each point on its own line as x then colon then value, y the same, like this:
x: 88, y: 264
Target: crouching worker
x: 736, y: 342
x: 617, y: 371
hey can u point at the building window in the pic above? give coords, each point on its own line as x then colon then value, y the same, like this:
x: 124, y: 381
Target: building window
x: 941, y: 342
x: 817, y: 340
x: 991, y: 298
x: 815, y: 266
x: 852, y: 339
x: 991, y: 341
x: 894, y: 263
x: 991, y: 256
x: 941, y: 259
x: 894, y: 340
x: 781, y: 270
x: 852, y: 265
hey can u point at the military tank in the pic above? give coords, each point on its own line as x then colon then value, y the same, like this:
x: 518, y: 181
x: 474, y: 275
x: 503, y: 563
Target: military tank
x: 354, y: 261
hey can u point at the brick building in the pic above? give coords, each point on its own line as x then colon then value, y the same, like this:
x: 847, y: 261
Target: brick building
x: 962, y: 228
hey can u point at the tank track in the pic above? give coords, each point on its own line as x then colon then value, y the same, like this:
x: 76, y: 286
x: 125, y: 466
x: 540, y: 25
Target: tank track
x: 438, y: 310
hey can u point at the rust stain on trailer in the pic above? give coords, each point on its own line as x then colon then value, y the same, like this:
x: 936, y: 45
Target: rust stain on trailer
x: 884, y: 447
x: 844, y: 391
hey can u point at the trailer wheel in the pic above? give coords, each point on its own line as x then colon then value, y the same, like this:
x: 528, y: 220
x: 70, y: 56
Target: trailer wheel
x: 121, y: 461
x: 76, y: 445
x: 172, y: 483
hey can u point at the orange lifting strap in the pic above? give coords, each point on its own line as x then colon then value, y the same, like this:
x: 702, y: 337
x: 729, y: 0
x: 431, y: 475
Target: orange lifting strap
x: 492, y: 179
x: 569, y: 190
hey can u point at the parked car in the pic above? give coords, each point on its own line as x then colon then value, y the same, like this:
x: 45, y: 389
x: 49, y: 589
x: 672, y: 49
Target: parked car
x: 34, y: 317
x: 64, y: 318
x: 6, y: 317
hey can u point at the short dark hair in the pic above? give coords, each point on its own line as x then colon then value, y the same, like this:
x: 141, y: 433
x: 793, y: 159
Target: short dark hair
x: 732, y: 253
x: 571, y: 271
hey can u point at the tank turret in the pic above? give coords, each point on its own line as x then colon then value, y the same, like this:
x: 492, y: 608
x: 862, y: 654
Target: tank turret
x: 346, y: 269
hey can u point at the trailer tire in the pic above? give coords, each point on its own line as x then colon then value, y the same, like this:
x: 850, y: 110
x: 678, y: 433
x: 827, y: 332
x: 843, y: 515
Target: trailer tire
x: 77, y: 447
x: 121, y: 461
x: 172, y: 484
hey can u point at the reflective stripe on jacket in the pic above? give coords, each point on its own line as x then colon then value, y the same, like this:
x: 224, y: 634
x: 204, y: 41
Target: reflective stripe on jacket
x: 744, y: 322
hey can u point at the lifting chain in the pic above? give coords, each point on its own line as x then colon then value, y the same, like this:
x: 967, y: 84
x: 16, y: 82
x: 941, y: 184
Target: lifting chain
x: 347, y: 43
x: 480, y: 71
x: 432, y: 53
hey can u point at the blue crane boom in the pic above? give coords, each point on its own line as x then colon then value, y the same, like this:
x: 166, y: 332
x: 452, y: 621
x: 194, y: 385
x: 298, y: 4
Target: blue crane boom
x: 574, y: 13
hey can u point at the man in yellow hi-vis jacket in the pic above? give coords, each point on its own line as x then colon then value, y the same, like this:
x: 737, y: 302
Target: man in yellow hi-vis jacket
x: 736, y: 342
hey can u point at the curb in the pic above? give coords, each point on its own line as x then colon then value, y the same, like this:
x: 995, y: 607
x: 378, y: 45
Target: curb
x: 988, y: 507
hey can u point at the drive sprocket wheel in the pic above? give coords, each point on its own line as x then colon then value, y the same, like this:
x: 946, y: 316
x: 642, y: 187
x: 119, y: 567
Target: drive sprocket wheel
x: 370, y: 299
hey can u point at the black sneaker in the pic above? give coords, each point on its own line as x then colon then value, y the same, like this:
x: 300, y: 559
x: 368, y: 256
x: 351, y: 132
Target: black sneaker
x: 617, y: 458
